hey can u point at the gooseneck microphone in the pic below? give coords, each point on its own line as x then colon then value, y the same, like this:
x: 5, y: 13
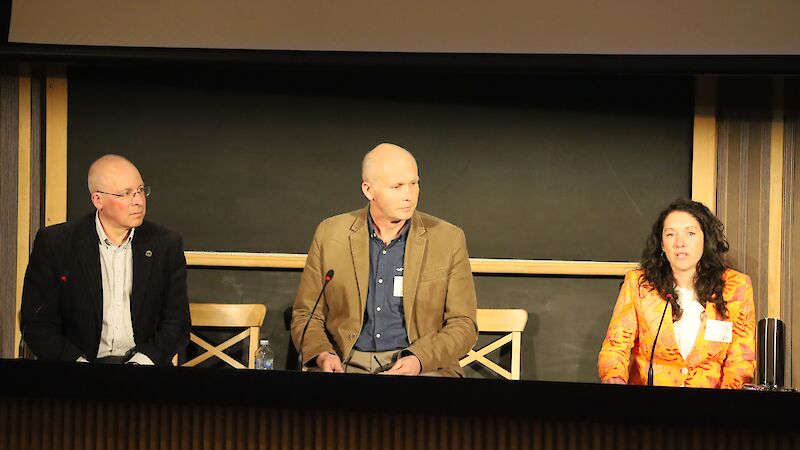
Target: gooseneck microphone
x: 328, y: 278
x: 653, y: 348
x: 50, y: 298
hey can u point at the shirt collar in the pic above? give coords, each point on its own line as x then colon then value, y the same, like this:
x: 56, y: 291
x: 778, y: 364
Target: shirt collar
x: 371, y: 227
x: 101, y: 234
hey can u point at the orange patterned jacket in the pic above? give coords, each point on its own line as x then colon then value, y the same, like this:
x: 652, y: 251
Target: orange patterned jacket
x: 710, y: 364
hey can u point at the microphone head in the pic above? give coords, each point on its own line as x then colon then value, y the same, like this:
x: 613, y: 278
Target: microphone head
x: 669, y: 296
x: 329, y: 275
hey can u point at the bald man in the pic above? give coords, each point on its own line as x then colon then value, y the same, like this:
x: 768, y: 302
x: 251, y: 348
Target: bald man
x: 402, y: 300
x: 109, y: 287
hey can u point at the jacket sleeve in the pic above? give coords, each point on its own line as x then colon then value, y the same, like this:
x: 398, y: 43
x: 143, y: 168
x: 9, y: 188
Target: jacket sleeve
x: 172, y: 332
x: 40, y: 323
x: 740, y: 362
x: 615, y: 353
x: 459, y: 330
x: 316, y: 339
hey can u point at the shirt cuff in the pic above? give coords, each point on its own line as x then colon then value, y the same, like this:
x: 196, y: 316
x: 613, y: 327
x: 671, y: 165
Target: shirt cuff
x: 141, y: 359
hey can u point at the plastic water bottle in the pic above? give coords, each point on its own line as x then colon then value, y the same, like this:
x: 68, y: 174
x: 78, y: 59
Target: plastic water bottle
x: 264, y: 356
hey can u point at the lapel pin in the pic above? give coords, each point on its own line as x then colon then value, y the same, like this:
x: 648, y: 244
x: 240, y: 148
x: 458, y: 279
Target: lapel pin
x: 148, y: 253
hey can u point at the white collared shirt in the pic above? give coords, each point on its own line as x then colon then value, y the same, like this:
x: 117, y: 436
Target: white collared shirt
x: 687, y: 327
x: 116, y: 270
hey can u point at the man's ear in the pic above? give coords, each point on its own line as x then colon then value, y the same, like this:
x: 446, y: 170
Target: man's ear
x: 366, y: 189
x: 97, y: 201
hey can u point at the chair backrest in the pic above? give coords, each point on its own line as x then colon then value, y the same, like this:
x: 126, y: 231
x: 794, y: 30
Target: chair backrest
x: 213, y: 315
x: 509, y: 323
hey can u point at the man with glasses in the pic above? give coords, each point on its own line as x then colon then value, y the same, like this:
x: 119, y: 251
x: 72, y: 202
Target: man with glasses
x: 108, y: 287
x: 403, y: 300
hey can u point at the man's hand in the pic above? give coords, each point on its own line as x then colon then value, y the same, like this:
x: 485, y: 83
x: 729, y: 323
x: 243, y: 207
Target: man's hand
x: 328, y: 362
x: 407, y: 365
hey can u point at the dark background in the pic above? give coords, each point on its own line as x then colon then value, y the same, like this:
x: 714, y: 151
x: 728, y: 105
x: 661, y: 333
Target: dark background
x: 569, y: 167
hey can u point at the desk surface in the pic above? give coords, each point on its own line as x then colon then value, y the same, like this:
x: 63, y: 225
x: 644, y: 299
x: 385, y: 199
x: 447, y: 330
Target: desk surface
x: 416, y: 395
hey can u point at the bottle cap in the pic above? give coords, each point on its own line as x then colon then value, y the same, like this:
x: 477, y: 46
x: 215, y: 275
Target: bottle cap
x: 264, y: 342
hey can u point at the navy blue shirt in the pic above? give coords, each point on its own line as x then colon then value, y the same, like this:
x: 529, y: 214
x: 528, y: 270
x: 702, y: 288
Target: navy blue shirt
x: 384, y: 323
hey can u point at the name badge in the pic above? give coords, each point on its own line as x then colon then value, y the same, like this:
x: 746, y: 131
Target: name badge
x: 719, y: 331
x: 398, y: 286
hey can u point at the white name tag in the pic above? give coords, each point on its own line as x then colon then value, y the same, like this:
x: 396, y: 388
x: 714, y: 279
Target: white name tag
x: 398, y: 286
x: 719, y: 331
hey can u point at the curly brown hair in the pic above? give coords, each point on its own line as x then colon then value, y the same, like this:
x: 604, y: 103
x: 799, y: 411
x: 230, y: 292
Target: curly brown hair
x: 657, y: 272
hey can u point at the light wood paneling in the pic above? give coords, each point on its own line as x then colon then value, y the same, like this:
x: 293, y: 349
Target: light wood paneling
x: 776, y: 202
x: 23, y: 194
x: 243, y: 259
x: 56, y: 150
x: 704, y: 142
x: 538, y: 267
x: 479, y: 265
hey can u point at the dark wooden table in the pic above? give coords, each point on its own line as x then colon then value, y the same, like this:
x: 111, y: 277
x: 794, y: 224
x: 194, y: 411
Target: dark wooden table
x: 82, y: 406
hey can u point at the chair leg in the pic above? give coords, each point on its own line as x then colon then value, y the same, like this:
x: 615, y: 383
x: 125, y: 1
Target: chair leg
x: 254, y: 341
x: 516, y: 346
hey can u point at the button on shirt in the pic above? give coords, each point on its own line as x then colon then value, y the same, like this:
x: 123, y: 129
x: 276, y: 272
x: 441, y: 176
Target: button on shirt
x: 384, y: 323
x: 116, y: 272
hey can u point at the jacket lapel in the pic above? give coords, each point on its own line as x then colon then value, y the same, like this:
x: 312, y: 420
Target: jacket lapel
x: 144, y: 251
x: 88, y: 252
x: 653, y: 307
x: 359, y: 249
x: 415, y: 251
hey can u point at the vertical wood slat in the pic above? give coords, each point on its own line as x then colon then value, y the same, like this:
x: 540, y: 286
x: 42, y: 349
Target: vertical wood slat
x: 37, y: 420
x: 36, y: 198
x: 791, y: 233
x: 55, y: 150
x: 9, y: 153
x: 776, y: 202
x: 23, y: 195
x: 704, y: 142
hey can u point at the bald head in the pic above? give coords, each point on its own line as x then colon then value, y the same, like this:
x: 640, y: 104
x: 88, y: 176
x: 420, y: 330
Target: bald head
x: 384, y: 158
x: 118, y: 194
x: 390, y: 181
x: 106, y: 169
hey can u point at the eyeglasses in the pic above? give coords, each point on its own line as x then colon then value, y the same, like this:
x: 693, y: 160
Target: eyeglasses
x: 129, y: 194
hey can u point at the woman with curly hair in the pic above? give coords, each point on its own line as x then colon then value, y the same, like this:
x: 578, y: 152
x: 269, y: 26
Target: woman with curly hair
x: 703, y: 309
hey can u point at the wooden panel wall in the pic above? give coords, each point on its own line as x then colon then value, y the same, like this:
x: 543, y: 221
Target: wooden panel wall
x: 744, y: 122
x: 757, y: 193
x: 21, y: 191
x: 791, y: 228
x: 99, y: 425
x: 9, y: 122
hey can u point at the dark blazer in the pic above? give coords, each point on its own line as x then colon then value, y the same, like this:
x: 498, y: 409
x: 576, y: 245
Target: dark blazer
x: 62, y: 299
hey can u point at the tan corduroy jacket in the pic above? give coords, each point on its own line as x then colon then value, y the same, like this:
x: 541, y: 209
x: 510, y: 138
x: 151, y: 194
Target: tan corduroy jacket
x: 439, y: 294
